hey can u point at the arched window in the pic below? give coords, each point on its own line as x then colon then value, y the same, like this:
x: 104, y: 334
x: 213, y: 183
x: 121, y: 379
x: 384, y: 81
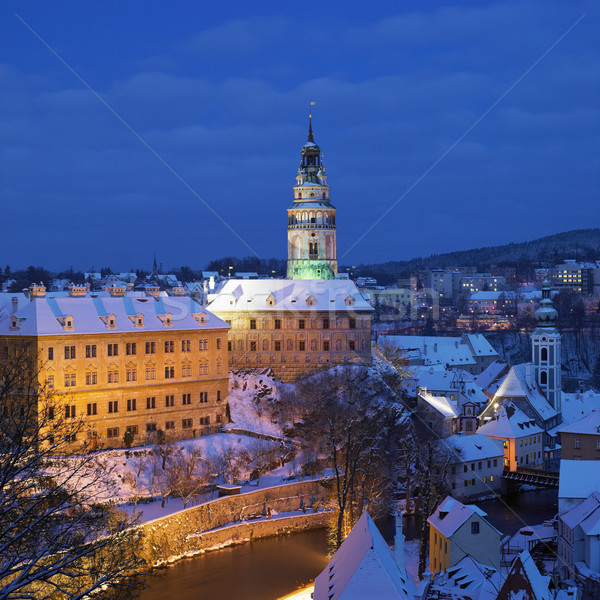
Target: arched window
x: 543, y: 378
x: 544, y: 354
x: 313, y: 250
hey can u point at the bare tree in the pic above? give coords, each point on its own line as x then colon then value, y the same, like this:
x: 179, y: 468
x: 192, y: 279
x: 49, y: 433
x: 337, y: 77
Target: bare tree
x: 59, y: 536
x: 342, y: 417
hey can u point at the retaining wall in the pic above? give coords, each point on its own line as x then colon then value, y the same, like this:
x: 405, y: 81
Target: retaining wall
x: 229, y: 520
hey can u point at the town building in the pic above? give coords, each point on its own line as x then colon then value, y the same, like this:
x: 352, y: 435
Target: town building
x: 475, y: 465
x: 457, y: 530
x: 470, y: 352
x: 482, y: 282
x: 580, y: 440
x: 364, y: 567
x: 310, y: 320
x: 444, y: 284
x: 135, y: 365
x: 577, y: 480
x: 521, y: 438
x: 579, y: 539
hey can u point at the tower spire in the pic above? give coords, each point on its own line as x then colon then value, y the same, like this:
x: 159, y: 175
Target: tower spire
x: 310, y: 131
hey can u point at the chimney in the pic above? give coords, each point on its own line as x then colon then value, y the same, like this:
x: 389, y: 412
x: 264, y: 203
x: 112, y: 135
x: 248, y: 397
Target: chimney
x: 425, y: 349
x: 399, y: 552
x: 15, y: 304
x: 435, y: 347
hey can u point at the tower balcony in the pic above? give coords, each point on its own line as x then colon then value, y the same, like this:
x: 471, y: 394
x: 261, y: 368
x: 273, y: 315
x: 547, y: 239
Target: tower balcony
x: 310, y: 226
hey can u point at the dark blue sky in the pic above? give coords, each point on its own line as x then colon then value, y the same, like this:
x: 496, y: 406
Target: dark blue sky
x: 219, y: 91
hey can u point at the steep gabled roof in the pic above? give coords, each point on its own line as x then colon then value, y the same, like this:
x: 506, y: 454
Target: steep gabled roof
x: 525, y: 581
x: 509, y: 422
x: 363, y: 567
x: 452, y: 514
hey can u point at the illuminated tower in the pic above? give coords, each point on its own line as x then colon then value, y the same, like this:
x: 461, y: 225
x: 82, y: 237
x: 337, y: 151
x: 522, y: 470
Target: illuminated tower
x: 545, y: 349
x: 311, y: 219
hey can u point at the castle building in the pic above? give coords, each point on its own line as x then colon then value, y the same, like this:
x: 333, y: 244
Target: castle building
x: 310, y: 320
x: 126, y: 365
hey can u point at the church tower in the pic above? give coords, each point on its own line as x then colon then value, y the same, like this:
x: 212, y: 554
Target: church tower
x: 312, y: 250
x: 545, y: 348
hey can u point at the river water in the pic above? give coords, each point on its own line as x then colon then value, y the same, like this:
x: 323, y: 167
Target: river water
x: 270, y: 568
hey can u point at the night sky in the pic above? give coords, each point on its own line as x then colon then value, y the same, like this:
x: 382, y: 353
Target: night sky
x: 204, y: 104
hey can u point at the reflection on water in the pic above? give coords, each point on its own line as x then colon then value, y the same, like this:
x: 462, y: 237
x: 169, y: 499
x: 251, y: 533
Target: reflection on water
x: 273, y: 567
x: 264, y: 569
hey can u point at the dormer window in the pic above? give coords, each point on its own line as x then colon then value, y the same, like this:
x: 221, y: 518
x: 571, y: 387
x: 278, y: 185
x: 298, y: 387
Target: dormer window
x: 200, y: 318
x: 271, y: 300
x: 349, y: 300
x: 66, y: 322
x: 166, y: 320
x: 311, y: 300
x: 137, y: 320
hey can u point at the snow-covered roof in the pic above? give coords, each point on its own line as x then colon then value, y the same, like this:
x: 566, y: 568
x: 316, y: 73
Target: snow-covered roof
x: 363, y: 567
x: 487, y: 295
x: 440, y: 403
x: 583, y: 511
x: 509, y: 422
x: 520, y: 383
x: 47, y: 316
x: 576, y: 405
x: 487, y: 377
x: 438, y: 380
x: 452, y: 514
x: 474, y: 447
x: 524, y: 567
x: 282, y: 294
x: 578, y: 478
x: 590, y: 424
x: 469, y: 575
x: 6, y: 303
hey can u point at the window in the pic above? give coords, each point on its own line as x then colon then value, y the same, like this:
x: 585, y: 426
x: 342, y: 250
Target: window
x: 203, y: 344
x: 301, y: 345
x: 466, y: 468
x: 203, y: 369
x: 597, y: 441
x: 112, y: 432
x: 351, y: 323
x: 351, y: 345
x: 131, y: 348
x: 491, y: 478
x: 187, y: 399
x: 132, y: 429
x: 277, y: 323
x: 577, y: 443
x: 187, y: 423
x: 472, y: 466
x: 169, y: 346
x: 219, y: 418
x: 170, y: 400
x: 50, y: 353
x: 219, y: 368
x: 170, y: 425
x: 479, y: 465
x: 204, y: 420
x: 186, y: 345
x: 252, y: 323
x: 70, y: 380
x: 69, y: 352
x: 218, y: 395
x: 131, y: 375
x: 50, y: 381
x: 113, y: 377
x: 70, y: 411
x: 90, y: 351
x: 186, y: 370
x: 326, y: 323
x: 543, y: 377
x: 169, y: 372
x: 131, y: 404
x: 203, y: 397
x: 252, y: 346
x: 113, y: 406
x: 489, y: 464
x: 218, y: 343
x: 150, y: 347
x: 91, y: 378
x: 150, y: 403
x: 92, y: 409
x: 150, y: 427
x: 277, y: 346
x: 150, y: 373
x: 229, y: 346
x: 544, y: 354
x: 475, y: 527
x: 113, y: 349
x: 325, y: 345
x: 301, y: 323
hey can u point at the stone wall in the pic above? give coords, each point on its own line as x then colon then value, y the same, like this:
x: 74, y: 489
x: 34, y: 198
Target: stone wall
x: 232, y: 519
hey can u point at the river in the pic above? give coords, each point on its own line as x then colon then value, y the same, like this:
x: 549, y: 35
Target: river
x: 273, y: 567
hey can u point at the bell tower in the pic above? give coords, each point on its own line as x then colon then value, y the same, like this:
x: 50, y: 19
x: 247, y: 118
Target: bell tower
x: 312, y: 252
x: 545, y: 349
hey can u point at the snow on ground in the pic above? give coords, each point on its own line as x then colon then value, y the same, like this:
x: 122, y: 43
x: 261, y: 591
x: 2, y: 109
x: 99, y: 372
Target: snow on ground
x: 250, y: 401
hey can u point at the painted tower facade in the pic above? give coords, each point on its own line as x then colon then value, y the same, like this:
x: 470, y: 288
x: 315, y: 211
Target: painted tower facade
x: 312, y: 252
x: 545, y: 347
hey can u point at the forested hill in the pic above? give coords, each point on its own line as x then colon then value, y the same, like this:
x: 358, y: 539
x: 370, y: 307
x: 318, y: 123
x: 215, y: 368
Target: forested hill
x: 581, y: 244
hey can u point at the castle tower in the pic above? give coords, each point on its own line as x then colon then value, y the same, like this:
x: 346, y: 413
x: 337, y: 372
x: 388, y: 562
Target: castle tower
x: 312, y: 250
x: 545, y: 349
